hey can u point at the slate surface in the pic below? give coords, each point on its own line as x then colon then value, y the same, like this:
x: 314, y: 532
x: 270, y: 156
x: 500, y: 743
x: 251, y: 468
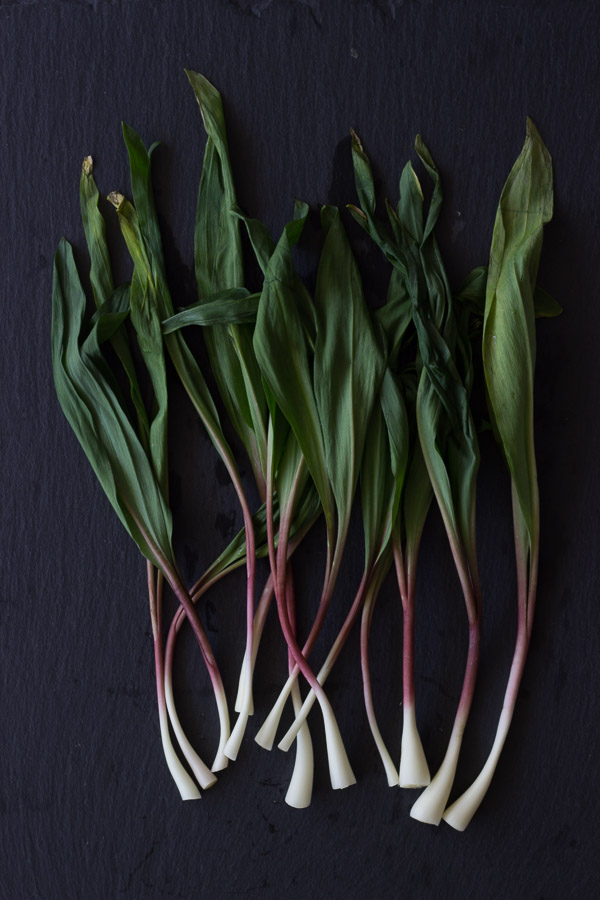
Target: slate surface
x: 87, y: 808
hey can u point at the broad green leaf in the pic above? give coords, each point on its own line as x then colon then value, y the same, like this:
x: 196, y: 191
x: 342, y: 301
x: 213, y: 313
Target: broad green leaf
x: 418, y: 495
x: 446, y: 429
x: 233, y: 306
x: 140, y: 170
x: 395, y: 316
x: 348, y: 364
x: 397, y: 424
x: 376, y: 485
x: 473, y: 289
x: 101, y: 425
x: 282, y: 353
x: 152, y: 259
x: 509, y: 324
x: 105, y: 296
x: 380, y: 488
x: 219, y: 266
x: 146, y: 306
x: 410, y: 205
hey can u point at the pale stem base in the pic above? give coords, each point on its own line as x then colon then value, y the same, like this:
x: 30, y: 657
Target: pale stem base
x: 185, y: 785
x: 205, y: 777
x: 299, y: 792
x: 430, y: 806
x: 460, y: 813
x: 414, y: 771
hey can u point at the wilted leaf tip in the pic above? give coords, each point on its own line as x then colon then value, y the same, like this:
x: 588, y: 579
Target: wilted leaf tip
x: 356, y: 143
x: 88, y: 165
x: 116, y: 198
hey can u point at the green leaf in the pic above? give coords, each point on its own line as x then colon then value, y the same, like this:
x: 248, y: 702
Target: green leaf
x: 143, y: 199
x: 348, y: 364
x: 446, y: 429
x: 282, y: 353
x: 146, y: 306
x: 365, y: 216
x: 113, y: 306
x: 110, y: 316
x: 236, y: 305
x: 396, y: 420
x: 508, y: 333
x: 101, y: 278
x: 410, y: 205
x: 383, y: 468
x: 264, y: 246
x: 376, y: 488
x: 147, y: 254
x: 99, y: 421
x: 418, y: 496
x: 435, y: 203
x: 262, y: 243
x: 219, y: 266
x: 395, y: 316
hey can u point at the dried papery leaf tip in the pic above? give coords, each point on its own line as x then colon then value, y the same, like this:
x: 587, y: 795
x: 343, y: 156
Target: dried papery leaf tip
x: 116, y: 198
x: 88, y: 165
x: 355, y: 139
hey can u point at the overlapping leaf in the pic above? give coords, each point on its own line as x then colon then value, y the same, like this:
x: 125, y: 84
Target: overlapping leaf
x: 219, y: 266
x: 95, y: 412
x: 509, y: 334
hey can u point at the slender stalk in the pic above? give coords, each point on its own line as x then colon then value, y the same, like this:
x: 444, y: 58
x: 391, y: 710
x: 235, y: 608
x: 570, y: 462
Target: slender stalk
x: 187, y: 789
x: 414, y: 771
x: 431, y: 804
x: 266, y: 734
x: 299, y: 792
x: 365, y: 629
x: 232, y: 746
x: 341, y: 774
x: 177, y: 353
x: 172, y: 576
x: 288, y: 738
x: 206, y: 778
x: 460, y: 813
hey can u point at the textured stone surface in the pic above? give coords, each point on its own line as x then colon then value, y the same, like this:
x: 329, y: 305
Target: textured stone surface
x: 87, y: 809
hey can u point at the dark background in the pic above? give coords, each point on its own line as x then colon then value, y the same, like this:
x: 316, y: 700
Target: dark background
x: 87, y: 807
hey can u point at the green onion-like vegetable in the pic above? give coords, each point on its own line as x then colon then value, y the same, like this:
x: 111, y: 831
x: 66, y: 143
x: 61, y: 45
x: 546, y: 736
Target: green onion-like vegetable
x: 509, y: 362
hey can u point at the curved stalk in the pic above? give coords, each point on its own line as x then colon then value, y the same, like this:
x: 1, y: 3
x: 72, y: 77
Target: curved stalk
x: 431, y: 804
x: 187, y: 789
x: 266, y: 734
x: 366, y: 619
x: 340, y: 771
x: 288, y: 738
x: 460, y: 813
x: 170, y: 573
